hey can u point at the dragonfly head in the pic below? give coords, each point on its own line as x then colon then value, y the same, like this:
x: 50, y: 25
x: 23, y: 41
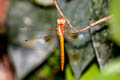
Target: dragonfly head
x: 61, y: 20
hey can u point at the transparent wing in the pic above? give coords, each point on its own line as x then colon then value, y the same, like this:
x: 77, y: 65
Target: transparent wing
x: 38, y: 43
x: 34, y: 37
x: 77, y: 39
x: 30, y: 46
x: 25, y: 28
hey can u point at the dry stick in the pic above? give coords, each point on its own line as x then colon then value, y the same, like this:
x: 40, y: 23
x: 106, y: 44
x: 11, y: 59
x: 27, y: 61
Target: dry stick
x: 70, y: 25
x: 97, y: 53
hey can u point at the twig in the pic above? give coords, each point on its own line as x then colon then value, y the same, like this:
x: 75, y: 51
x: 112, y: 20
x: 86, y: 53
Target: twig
x: 58, y: 8
x: 96, y: 52
x: 70, y: 25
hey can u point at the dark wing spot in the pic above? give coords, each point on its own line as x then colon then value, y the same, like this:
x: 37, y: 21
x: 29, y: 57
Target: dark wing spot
x: 73, y: 35
x: 48, y: 38
x: 26, y: 40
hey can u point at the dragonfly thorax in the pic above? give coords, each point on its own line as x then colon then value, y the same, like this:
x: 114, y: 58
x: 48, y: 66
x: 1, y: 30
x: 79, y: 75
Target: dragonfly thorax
x: 60, y: 29
x: 61, y: 20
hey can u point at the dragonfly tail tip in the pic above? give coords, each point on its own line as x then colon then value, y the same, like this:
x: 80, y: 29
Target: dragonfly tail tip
x: 62, y: 68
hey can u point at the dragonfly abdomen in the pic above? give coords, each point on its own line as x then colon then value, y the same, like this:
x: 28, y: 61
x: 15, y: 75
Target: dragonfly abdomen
x: 62, y: 51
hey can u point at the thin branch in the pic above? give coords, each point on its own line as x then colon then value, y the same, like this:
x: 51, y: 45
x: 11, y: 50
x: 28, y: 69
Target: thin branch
x: 94, y: 23
x: 70, y: 25
x: 58, y: 8
x: 96, y: 52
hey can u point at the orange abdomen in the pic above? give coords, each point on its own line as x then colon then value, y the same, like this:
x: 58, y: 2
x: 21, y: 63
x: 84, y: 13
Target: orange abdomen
x: 62, y: 51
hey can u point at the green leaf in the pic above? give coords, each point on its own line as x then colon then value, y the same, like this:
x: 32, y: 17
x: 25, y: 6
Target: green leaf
x: 91, y: 72
x: 115, y: 24
x: 43, y: 2
x: 110, y: 72
x: 100, y: 36
x: 68, y: 73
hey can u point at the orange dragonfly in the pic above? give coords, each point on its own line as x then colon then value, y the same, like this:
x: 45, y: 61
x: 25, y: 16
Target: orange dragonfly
x: 61, y: 30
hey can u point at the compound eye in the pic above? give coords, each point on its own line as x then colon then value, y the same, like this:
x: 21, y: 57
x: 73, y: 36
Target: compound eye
x: 61, y: 20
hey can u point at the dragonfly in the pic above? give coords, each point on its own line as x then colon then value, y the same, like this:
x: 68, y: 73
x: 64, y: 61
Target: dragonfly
x: 61, y: 33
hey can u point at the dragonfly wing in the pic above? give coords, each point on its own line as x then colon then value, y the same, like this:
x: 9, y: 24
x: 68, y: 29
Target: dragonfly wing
x: 77, y: 39
x: 40, y: 42
x: 34, y: 28
x: 36, y: 39
x: 31, y: 52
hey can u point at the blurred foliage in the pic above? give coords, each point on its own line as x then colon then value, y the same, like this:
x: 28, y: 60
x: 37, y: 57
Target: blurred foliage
x: 43, y: 2
x: 34, y: 18
x: 110, y: 72
x: 91, y: 72
x: 102, y: 43
x: 49, y: 71
x: 68, y: 73
x: 115, y: 24
x: 80, y: 51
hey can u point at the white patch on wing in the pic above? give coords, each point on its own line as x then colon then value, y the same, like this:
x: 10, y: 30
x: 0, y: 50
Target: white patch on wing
x: 81, y: 36
x: 42, y: 41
